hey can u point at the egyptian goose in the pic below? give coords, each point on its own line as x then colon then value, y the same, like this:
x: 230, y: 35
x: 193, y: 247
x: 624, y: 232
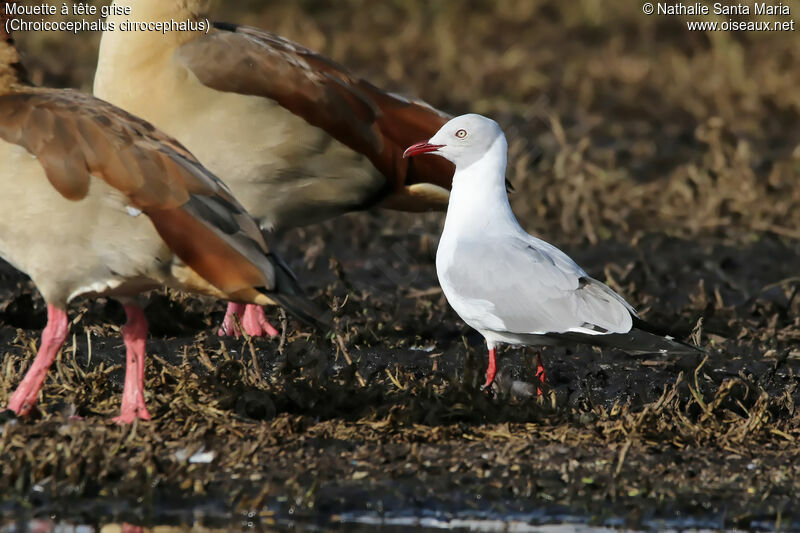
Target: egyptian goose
x: 510, y: 286
x: 296, y: 137
x: 97, y: 202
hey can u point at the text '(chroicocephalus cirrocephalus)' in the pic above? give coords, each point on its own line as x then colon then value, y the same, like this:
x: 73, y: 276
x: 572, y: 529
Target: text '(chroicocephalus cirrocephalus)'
x: 510, y: 286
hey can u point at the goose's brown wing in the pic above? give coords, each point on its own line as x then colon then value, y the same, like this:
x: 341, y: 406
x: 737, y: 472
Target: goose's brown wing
x: 380, y: 125
x: 75, y: 136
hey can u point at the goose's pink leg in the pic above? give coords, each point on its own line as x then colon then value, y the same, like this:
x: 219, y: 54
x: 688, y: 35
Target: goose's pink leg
x: 135, y: 335
x: 53, y: 336
x: 252, y: 319
x: 228, y: 324
x: 255, y: 322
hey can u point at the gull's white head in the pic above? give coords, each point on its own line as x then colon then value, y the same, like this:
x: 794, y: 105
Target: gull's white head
x: 463, y: 140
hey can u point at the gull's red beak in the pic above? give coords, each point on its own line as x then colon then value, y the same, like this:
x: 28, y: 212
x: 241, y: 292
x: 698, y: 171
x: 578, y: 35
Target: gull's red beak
x: 421, y: 148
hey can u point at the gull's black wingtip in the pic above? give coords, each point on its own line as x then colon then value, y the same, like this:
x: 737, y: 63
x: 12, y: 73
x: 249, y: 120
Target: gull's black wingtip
x: 671, y: 344
x: 643, y: 338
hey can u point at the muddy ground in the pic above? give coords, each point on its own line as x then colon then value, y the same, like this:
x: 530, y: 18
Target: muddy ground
x: 665, y: 162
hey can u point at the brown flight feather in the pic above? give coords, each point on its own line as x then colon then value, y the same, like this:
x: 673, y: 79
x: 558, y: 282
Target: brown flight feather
x: 250, y: 61
x: 75, y: 136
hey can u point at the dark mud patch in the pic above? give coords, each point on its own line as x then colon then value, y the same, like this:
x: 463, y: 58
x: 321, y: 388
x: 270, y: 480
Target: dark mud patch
x: 293, y: 430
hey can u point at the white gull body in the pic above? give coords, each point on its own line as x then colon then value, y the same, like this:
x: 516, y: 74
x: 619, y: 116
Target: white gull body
x: 510, y: 286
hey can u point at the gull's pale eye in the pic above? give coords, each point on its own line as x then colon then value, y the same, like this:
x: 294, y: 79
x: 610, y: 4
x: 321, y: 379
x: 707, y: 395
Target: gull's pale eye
x: 461, y: 134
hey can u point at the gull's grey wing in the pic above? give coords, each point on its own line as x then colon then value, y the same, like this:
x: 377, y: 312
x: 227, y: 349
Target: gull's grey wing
x: 526, y: 286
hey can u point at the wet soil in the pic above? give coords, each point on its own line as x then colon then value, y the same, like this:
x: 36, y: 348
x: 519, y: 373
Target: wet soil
x: 288, y: 429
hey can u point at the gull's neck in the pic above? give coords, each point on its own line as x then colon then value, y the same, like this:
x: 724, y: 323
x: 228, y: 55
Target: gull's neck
x: 479, y: 200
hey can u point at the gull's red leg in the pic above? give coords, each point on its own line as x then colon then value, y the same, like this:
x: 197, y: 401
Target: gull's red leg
x: 491, y: 370
x: 540, y: 374
x: 228, y: 324
x: 255, y: 322
x: 53, y: 336
x: 135, y: 336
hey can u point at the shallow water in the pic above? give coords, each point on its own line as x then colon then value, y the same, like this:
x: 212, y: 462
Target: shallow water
x: 113, y: 518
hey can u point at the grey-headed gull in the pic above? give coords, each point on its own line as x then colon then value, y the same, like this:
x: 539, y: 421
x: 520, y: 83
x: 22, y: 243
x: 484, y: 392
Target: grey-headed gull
x: 510, y: 286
